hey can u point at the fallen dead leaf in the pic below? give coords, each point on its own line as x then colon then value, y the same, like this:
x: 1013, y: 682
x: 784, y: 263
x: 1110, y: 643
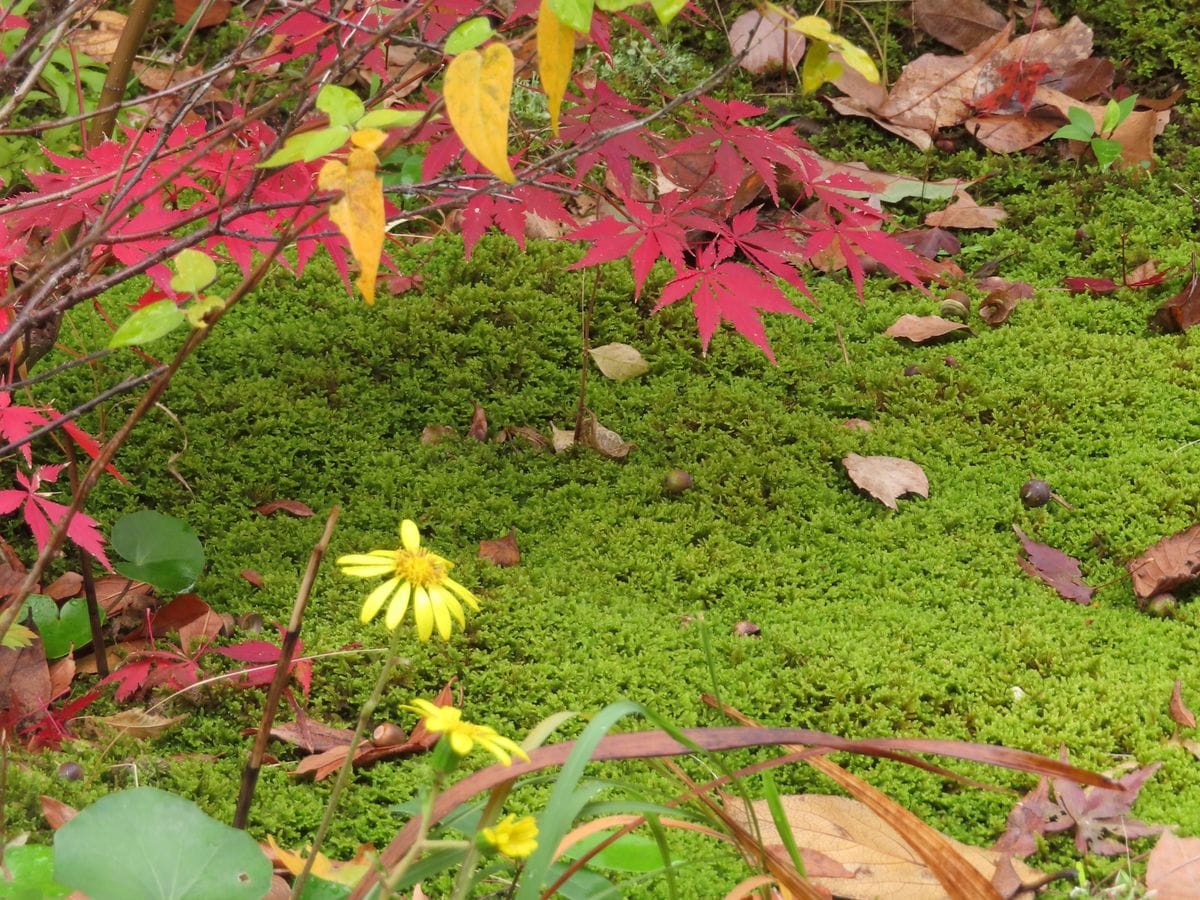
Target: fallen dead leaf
x: 435, y: 434
x: 929, y: 242
x: 561, y: 439
x: 1180, y: 714
x: 1002, y: 298
x: 24, y: 680
x: 479, y: 424
x: 99, y: 35
x: 116, y: 593
x: 55, y: 812
x: 620, y: 362
x: 855, y: 179
x: 531, y: 436
x: 1173, y: 870
x: 252, y: 577
x: 502, y: 551
x: 964, y: 212
x: 1166, y: 565
x: 69, y: 584
x: 772, y: 45
x: 217, y: 12
x: 922, y: 329
x: 62, y: 673
x: 962, y: 24
x: 402, y: 284
x: 310, y: 735
x: 136, y: 723
x: 858, y: 425
x: 746, y: 628
x: 886, y: 478
x: 1055, y: 568
x: 1181, y: 311
x: 875, y: 859
x: 291, y: 507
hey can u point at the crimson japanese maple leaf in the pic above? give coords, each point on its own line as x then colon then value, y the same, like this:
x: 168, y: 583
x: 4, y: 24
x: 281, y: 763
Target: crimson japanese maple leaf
x: 262, y: 657
x: 769, y: 248
x: 722, y: 290
x: 853, y: 233
x: 598, y: 110
x: 354, y: 27
x: 1018, y: 82
x: 146, y: 669
x: 41, y: 513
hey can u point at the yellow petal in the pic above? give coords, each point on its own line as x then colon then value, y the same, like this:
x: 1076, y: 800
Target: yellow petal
x: 422, y: 613
x: 466, y: 595
x: 461, y: 742
x: 452, y: 604
x: 477, y: 90
x: 377, y: 598
x: 441, y: 615
x: 359, y: 213
x: 555, y: 48
x: 410, y: 536
x: 372, y: 571
x: 395, y: 613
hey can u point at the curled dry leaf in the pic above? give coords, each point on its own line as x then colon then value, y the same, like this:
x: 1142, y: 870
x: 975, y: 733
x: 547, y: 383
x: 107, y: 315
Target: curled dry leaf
x: 479, y: 424
x: 1055, y: 568
x: 502, y: 551
x: 1181, y: 311
x: 620, y: 362
x: 561, y: 439
x: 1172, y: 562
x: 216, y: 13
x: 922, y: 329
x: 964, y: 212
x: 746, y: 628
x: 253, y: 577
x: 291, y: 507
x: 1173, y: 870
x: 1002, y: 298
x: 599, y: 438
x: 886, y: 478
x: 435, y: 434
x: 772, y: 45
x: 962, y: 24
x: 99, y: 35
x: 136, y: 723
x: 1180, y: 714
x: 858, y: 425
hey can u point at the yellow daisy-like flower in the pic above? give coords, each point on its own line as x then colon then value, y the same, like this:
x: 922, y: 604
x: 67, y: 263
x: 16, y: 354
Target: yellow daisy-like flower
x: 515, y: 838
x: 417, y: 575
x: 463, y: 736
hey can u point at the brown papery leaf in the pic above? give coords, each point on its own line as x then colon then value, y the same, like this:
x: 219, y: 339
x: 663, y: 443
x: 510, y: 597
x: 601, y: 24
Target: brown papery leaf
x: 479, y: 424
x: 502, y: 551
x: 217, y: 12
x: 746, y: 628
x: 62, y: 672
x: 1182, y: 311
x: 962, y: 24
x: 435, y: 434
x: 922, y: 329
x: 876, y: 858
x: 137, y: 723
x: 253, y: 577
x: 964, y: 212
x: 292, y: 507
x: 99, y: 35
x: 886, y: 478
x: 1173, y: 870
x: 68, y: 584
x: 772, y: 45
x: 1002, y: 298
x: 24, y: 680
x: 56, y: 813
x: 605, y: 440
x: 1055, y: 568
x: 1180, y: 713
x: 1172, y: 562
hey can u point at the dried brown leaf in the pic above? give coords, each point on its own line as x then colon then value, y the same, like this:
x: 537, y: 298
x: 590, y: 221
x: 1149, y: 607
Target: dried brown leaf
x: 561, y: 439
x: 24, y: 680
x: 1002, y: 298
x: 479, y: 424
x: 252, y: 577
x: 1181, y: 311
x: 602, y: 439
x: 1180, y: 714
x: 68, y: 584
x: 291, y: 507
x: 502, y: 551
x: 922, y: 329
x: 99, y: 35
x: 62, y: 673
x: 217, y: 12
x: 1055, y: 568
x: 886, y: 478
x: 962, y: 24
x: 136, y: 723
x: 1166, y: 565
x: 964, y: 212
x: 746, y: 628
x: 772, y: 45
x: 55, y: 812
x: 435, y: 434
x: 1173, y: 870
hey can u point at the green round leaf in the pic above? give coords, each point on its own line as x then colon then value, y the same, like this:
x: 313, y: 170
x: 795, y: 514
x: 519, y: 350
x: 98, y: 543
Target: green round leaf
x: 341, y: 105
x: 159, y: 550
x: 200, y: 307
x: 152, y: 845
x: 666, y: 10
x: 194, y: 271
x: 307, y: 146
x: 468, y: 35
x: 575, y: 14
x: 62, y: 629
x: 628, y: 853
x: 390, y: 118
x: 148, y: 324
x: 1107, y: 152
x: 30, y: 874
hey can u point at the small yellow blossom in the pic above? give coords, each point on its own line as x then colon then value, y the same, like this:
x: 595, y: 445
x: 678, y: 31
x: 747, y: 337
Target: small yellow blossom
x: 515, y: 838
x: 463, y: 736
x: 417, y: 575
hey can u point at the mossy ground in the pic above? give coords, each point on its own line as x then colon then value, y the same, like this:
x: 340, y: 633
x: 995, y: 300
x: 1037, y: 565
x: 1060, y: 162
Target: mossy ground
x: 874, y: 623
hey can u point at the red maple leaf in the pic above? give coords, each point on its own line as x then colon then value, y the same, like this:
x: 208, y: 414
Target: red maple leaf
x: 1018, y: 82
x: 598, y: 110
x: 263, y: 655
x: 41, y: 513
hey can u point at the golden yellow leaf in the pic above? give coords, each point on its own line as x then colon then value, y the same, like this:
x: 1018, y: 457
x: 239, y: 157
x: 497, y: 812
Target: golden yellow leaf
x: 555, y: 47
x: 477, y: 89
x: 359, y: 213
x: 345, y: 873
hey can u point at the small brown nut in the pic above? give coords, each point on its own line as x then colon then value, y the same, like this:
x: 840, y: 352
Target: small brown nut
x: 388, y: 735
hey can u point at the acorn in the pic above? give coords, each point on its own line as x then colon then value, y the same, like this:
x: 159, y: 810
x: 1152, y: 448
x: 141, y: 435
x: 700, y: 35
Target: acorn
x: 956, y: 305
x: 70, y: 771
x: 676, y: 482
x: 1161, y: 606
x: 387, y: 735
x: 1035, y: 493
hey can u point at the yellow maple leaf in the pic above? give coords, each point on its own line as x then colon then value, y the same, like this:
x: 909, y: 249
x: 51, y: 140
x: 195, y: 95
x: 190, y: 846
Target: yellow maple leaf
x: 17, y: 636
x: 359, y: 213
x: 555, y: 48
x: 477, y: 90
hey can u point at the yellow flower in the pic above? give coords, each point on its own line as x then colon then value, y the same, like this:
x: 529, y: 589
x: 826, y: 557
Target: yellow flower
x: 463, y: 736
x: 417, y: 574
x: 515, y: 838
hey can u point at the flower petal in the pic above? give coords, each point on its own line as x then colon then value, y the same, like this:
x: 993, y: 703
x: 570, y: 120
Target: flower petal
x: 461, y: 741
x: 423, y: 613
x: 399, y: 607
x: 374, y: 558
x: 373, y: 571
x: 466, y: 595
x: 441, y: 613
x: 377, y: 598
x: 451, y: 603
x: 410, y: 535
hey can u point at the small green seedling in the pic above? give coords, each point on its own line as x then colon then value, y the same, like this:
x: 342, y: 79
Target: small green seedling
x: 1083, y: 128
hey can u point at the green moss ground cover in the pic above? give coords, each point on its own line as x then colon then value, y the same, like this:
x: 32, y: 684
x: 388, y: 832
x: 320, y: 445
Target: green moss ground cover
x: 874, y: 623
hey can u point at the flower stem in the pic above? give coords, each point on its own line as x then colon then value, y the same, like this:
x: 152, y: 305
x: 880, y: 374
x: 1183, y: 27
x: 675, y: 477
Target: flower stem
x: 364, y: 719
x: 394, y: 876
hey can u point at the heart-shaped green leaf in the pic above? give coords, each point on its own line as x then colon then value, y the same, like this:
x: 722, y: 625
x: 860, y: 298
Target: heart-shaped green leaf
x: 158, y: 550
